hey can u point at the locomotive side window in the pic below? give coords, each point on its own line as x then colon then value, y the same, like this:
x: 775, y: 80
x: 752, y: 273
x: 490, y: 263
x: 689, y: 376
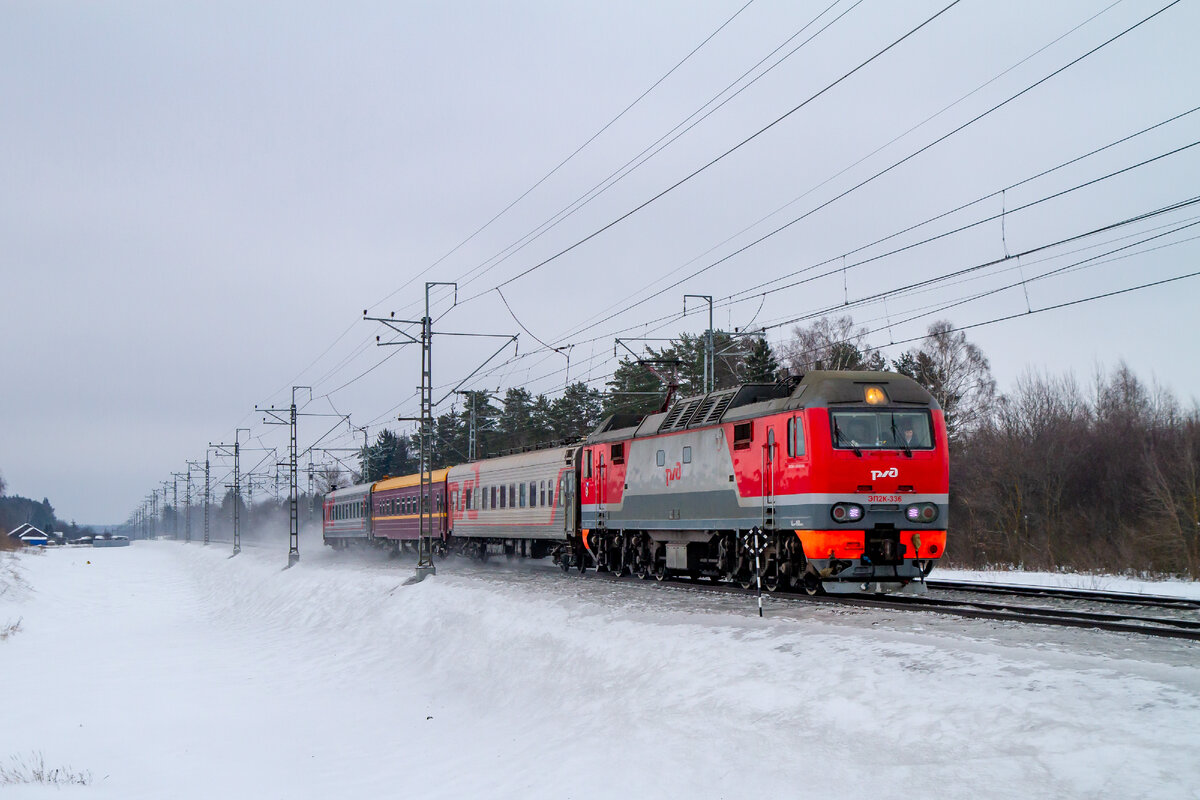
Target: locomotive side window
x: 587, y: 463
x: 687, y: 455
x: 618, y: 453
x: 743, y: 434
x: 795, y: 437
x: 660, y: 458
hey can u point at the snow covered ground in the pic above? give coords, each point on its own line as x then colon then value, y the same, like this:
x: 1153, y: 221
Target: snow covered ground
x: 173, y: 671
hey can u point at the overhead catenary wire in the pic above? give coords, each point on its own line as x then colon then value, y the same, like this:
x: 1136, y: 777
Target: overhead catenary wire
x: 621, y: 303
x: 720, y: 157
x: 894, y: 165
x: 654, y: 148
x: 570, y: 157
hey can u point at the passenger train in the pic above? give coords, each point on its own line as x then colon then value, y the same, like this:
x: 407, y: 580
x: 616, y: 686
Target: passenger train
x: 831, y: 481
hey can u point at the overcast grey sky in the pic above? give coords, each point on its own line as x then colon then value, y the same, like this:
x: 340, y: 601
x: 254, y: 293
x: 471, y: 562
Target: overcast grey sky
x: 199, y: 200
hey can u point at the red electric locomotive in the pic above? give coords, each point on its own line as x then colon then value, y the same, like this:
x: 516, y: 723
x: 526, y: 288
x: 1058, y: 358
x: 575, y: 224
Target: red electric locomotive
x: 835, y: 480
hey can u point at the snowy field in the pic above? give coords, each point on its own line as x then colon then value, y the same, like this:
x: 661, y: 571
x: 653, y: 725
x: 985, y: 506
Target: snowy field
x: 172, y: 671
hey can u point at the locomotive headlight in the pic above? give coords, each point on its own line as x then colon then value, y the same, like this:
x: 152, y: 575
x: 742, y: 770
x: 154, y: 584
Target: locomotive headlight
x: 846, y: 512
x: 921, y: 512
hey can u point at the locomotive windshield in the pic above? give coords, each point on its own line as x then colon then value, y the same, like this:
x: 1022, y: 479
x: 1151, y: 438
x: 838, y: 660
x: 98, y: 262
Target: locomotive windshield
x: 881, y: 430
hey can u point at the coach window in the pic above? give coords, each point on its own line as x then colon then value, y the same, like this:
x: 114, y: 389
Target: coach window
x: 542, y: 493
x: 687, y: 455
x: 661, y: 458
x: 522, y: 495
x: 618, y: 453
x: 532, y: 494
x: 512, y: 495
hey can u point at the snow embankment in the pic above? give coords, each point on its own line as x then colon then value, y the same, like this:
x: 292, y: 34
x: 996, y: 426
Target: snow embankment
x: 173, y: 671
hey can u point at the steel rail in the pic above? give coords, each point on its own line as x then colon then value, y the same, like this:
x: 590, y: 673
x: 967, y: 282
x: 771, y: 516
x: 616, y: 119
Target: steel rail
x: 1120, y: 598
x: 1119, y: 623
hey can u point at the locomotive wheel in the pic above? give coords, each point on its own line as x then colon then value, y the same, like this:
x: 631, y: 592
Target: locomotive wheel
x: 641, y: 570
x: 660, y: 573
x: 812, y: 584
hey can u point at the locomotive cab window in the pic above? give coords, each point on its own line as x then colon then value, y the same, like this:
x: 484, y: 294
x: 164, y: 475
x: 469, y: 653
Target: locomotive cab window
x: 743, y: 434
x: 881, y: 430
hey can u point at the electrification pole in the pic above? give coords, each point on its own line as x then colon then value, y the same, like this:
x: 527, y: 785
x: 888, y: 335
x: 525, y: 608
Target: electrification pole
x: 294, y: 489
x: 710, y: 363
x: 207, y: 496
x: 187, y: 518
x: 175, y: 503
x: 425, y: 565
x: 224, y: 449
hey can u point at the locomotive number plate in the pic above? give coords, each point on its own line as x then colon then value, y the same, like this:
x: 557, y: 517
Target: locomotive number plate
x: 883, y: 498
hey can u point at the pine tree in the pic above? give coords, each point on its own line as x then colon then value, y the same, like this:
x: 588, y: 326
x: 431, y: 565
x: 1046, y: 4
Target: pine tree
x: 761, y: 366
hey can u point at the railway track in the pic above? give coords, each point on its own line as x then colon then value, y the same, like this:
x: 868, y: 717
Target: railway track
x: 1162, y: 627
x: 1118, y: 598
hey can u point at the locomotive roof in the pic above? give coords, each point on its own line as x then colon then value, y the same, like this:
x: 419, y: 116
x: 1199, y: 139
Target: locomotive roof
x: 816, y: 389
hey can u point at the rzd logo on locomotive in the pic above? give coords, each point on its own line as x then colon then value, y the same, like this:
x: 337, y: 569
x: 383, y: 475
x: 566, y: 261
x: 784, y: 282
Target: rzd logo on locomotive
x: 876, y: 474
x: 673, y: 473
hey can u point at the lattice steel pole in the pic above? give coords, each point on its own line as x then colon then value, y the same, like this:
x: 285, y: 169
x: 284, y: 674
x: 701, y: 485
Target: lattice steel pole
x: 207, y: 496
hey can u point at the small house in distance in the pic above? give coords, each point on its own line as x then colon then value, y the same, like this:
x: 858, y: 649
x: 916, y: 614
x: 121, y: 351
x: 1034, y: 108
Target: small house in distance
x: 29, y: 535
